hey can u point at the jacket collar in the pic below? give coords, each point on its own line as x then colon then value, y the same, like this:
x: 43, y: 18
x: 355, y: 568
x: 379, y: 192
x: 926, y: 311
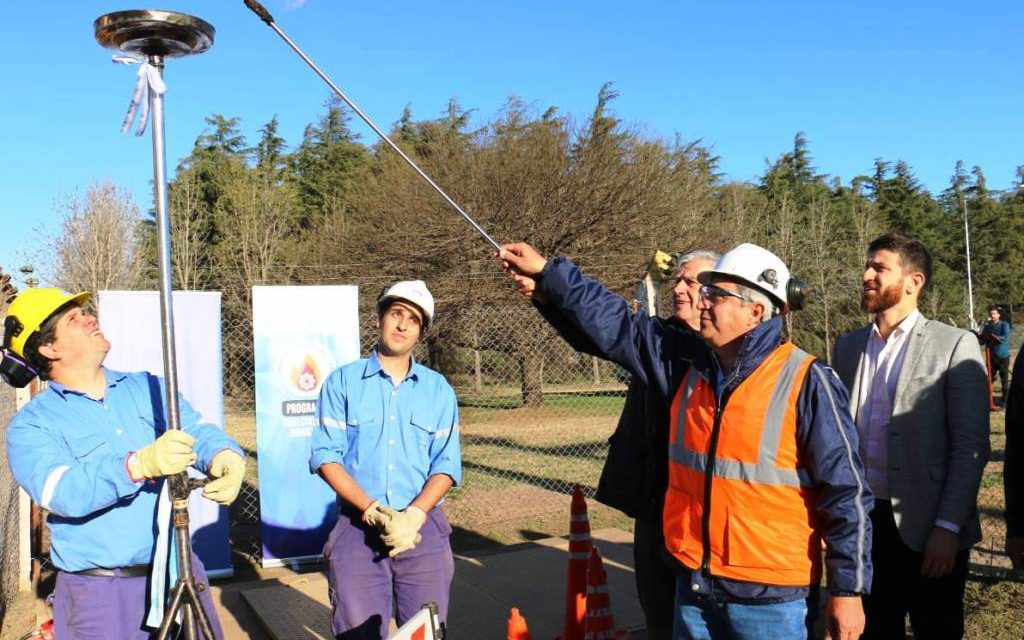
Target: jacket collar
x: 758, y: 343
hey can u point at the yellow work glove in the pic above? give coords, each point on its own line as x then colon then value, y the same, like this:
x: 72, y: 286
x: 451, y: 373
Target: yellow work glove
x: 169, y: 454
x: 402, y: 533
x: 662, y: 265
x: 229, y: 469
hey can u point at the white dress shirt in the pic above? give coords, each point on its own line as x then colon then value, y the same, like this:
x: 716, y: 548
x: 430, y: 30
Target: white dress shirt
x: 883, y: 361
x: 879, y: 375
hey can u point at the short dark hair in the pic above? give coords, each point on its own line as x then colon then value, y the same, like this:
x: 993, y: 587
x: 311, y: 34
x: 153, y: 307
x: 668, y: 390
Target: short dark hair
x: 47, y: 333
x: 912, y: 252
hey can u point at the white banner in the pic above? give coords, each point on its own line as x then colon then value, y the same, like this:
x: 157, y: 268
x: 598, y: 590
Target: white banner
x: 131, y: 321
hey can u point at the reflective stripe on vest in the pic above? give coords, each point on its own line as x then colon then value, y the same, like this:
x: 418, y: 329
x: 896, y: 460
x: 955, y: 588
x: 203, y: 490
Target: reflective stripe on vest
x: 765, y: 470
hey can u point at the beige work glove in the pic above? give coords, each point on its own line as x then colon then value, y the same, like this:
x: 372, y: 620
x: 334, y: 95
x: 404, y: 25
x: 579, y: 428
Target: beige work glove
x: 229, y: 470
x: 403, y: 532
x: 169, y: 454
x: 377, y: 515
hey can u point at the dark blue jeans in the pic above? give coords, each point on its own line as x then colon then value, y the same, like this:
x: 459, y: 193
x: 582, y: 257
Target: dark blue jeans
x: 711, y: 618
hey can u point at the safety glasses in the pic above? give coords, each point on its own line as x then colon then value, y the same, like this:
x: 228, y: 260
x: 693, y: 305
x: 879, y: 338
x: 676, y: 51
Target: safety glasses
x: 717, y: 294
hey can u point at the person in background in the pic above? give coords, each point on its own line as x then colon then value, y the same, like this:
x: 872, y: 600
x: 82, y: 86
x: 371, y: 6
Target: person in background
x: 995, y: 335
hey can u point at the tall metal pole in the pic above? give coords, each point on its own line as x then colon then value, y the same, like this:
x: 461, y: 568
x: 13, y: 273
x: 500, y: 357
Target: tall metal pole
x: 970, y: 282
x: 156, y: 35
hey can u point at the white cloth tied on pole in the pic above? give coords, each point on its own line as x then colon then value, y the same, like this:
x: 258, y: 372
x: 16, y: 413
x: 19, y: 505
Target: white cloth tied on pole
x: 164, y: 573
x: 148, y: 85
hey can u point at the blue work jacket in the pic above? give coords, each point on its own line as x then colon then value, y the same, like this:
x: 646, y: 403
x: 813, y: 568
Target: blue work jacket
x: 69, y: 451
x: 390, y: 438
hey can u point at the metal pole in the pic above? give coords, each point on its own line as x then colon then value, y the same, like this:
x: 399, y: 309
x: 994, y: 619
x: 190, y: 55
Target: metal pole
x: 185, y: 597
x: 163, y: 250
x: 970, y: 283
x: 264, y: 15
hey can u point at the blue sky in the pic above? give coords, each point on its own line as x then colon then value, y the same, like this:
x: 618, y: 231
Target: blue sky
x: 929, y: 82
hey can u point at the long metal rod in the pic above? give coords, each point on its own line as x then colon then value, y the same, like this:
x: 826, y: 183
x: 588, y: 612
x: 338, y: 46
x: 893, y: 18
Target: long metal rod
x: 184, y: 591
x: 970, y: 281
x: 265, y: 16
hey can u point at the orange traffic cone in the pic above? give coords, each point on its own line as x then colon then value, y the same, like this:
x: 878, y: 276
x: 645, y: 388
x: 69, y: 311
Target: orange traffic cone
x: 599, y: 624
x: 517, y: 626
x: 580, y: 545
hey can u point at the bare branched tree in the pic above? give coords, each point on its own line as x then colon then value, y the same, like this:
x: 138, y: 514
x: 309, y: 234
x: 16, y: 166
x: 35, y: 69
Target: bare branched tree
x: 98, y: 243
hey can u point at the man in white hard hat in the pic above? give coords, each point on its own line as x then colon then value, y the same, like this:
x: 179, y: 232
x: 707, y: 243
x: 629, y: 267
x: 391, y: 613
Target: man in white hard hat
x: 91, y: 449
x: 763, y: 462
x: 920, y: 400
x: 635, y: 473
x: 388, y: 444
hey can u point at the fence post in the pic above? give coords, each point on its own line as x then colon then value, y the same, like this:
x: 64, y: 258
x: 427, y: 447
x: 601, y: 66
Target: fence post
x: 21, y: 398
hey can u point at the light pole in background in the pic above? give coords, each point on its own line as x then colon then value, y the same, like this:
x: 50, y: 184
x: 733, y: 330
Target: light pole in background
x: 967, y: 245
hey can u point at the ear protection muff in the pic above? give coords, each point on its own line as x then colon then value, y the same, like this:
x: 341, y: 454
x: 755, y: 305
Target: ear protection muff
x: 14, y: 370
x: 796, y: 293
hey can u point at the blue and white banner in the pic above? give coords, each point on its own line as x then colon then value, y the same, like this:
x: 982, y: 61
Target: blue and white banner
x: 131, y: 321
x: 301, y: 334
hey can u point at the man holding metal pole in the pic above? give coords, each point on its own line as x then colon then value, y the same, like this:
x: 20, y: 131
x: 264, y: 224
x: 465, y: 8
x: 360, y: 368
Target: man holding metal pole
x: 763, y: 462
x: 388, y: 444
x: 91, y: 450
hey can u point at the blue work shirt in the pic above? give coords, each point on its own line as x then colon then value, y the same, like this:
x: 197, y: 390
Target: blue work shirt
x: 389, y: 437
x: 69, y: 451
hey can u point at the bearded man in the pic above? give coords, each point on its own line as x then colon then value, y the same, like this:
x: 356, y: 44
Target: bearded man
x: 919, y: 397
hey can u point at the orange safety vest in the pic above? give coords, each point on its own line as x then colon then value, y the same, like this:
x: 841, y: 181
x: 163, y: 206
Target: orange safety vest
x: 753, y: 518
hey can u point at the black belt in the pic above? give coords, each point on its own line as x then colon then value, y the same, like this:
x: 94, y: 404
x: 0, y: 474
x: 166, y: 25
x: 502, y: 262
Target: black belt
x: 133, y: 571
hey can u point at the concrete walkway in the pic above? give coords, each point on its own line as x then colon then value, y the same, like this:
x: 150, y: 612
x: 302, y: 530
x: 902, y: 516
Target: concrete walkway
x: 531, y: 576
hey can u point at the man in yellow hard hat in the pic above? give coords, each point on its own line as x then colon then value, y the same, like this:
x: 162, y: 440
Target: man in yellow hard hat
x: 90, y: 450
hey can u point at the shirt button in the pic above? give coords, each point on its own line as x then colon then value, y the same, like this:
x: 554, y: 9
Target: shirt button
x: 392, y: 416
x: 695, y: 587
x: 391, y: 467
x: 391, y: 441
x: 119, y: 431
x: 393, y: 393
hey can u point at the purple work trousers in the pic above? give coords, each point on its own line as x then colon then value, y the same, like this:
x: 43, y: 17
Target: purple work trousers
x: 367, y: 587
x: 103, y: 608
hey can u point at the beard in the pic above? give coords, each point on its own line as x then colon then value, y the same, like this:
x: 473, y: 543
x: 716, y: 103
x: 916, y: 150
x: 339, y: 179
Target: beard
x: 876, y: 301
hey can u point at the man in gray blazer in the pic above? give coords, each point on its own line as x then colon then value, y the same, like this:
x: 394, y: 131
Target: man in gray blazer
x: 919, y: 396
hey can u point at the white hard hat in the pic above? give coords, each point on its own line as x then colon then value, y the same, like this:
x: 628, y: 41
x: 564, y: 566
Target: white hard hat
x: 412, y: 291
x: 755, y: 267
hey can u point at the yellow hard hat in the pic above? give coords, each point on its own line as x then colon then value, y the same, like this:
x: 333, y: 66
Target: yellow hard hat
x: 30, y: 310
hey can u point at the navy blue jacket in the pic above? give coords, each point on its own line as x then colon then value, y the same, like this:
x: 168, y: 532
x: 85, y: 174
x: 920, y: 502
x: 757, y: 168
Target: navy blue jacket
x: 658, y: 354
x: 635, y: 473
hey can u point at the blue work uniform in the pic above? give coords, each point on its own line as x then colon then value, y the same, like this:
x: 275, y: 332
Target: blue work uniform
x: 69, y: 452
x: 390, y: 436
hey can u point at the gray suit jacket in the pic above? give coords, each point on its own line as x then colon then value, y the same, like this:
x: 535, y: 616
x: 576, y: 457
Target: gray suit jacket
x: 938, y: 434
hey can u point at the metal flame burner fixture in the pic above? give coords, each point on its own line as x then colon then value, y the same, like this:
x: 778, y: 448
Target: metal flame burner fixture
x: 153, y: 32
